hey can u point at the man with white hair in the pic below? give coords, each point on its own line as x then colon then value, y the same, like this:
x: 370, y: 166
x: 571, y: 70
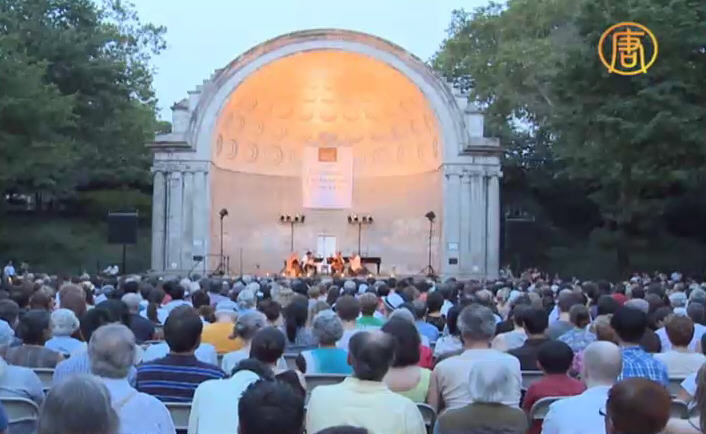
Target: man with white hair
x: 63, y: 324
x: 140, y: 326
x: 247, y: 298
x: 448, y: 386
x: 580, y: 414
x: 112, y: 353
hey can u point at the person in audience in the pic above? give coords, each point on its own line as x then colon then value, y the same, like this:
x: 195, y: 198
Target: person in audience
x: 140, y: 326
x: 434, y: 317
x: 369, y: 303
x: 270, y: 407
x: 348, y: 309
x: 419, y: 309
x: 9, y: 312
x: 4, y: 422
x: 219, y: 334
x: 637, y: 405
x: 112, y: 354
x: 554, y: 359
x: 273, y: 312
x: 364, y: 400
x: 176, y: 376
x: 177, y: 293
x: 578, y: 337
x: 630, y: 324
x: 73, y: 297
x: 448, y: 386
x: 155, y: 312
x: 579, y: 414
x: 535, y: 324
x: 490, y: 384
x: 327, y: 358
x: 205, y: 352
x: 295, y: 318
x: 34, y: 331
x: 42, y: 299
x: 405, y: 376
x: 20, y: 382
x: 695, y: 424
x: 78, y: 405
x: 450, y: 343
x: 63, y: 324
x: 212, y: 407
x: 565, y: 300
x: 246, y: 326
x: 79, y: 362
x: 679, y: 360
x: 267, y: 347
x: 517, y: 336
x: 246, y: 299
x: 650, y: 341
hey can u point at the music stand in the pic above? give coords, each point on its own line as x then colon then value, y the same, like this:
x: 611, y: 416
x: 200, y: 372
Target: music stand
x: 429, y: 270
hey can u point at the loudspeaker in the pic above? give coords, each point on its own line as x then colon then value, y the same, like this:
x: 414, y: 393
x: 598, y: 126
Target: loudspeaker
x: 122, y: 228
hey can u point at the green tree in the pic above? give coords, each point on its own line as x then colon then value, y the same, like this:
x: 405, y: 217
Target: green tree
x: 631, y: 142
x: 99, y: 56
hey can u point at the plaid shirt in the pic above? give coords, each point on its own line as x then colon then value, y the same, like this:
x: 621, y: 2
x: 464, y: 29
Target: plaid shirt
x: 638, y: 363
x: 577, y: 339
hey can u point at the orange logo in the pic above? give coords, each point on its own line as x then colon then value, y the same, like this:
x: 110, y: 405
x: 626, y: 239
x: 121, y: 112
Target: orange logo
x: 632, y: 50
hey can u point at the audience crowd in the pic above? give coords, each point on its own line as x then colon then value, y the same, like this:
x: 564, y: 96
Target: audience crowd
x: 526, y: 354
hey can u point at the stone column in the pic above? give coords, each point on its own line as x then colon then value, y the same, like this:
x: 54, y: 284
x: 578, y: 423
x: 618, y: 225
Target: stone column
x: 466, y: 216
x: 201, y: 217
x: 187, y: 221
x: 451, y: 223
x: 493, y: 244
x: 477, y: 224
x: 174, y: 226
x: 159, y: 202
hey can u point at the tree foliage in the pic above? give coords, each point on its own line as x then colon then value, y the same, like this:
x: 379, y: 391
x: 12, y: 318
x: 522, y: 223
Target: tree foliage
x: 81, y: 106
x: 631, y: 143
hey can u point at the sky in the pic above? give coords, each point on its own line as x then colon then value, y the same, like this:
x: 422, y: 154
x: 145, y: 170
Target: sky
x: 203, y: 35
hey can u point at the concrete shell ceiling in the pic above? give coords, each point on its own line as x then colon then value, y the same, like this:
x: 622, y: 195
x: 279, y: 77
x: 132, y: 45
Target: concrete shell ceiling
x: 327, y: 98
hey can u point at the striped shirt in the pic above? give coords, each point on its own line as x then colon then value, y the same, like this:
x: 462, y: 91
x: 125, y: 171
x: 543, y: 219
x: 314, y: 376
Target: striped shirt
x: 174, y: 377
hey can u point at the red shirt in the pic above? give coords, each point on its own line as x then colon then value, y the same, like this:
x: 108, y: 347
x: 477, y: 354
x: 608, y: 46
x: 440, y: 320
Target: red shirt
x: 426, y: 356
x: 549, y: 385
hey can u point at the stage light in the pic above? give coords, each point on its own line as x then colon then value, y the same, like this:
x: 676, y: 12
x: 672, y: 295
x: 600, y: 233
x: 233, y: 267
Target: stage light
x: 223, y: 212
x: 350, y: 219
x: 430, y: 215
x: 281, y: 218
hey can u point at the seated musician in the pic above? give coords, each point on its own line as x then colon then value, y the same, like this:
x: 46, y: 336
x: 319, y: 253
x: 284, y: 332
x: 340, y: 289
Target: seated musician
x: 355, y: 266
x: 309, y: 264
x: 293, y: 268
x: 337, y: 263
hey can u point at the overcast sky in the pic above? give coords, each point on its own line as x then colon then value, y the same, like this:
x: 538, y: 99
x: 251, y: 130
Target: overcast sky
x: 203, y: 35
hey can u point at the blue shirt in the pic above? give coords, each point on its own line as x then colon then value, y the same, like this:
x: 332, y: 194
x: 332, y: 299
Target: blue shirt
x: 578, y: 339
x: 326, y: 361
x: 638, y: 363
x: 3, y: 418
x: 428, y: 330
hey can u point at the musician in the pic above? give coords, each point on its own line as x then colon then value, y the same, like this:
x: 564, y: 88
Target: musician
x: 355, y: 266
x: 309, y: 264
x: 293, y: 267
x: 338, y: 264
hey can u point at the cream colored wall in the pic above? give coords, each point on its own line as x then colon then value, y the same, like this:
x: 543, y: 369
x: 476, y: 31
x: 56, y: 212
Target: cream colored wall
x: 254, y: 202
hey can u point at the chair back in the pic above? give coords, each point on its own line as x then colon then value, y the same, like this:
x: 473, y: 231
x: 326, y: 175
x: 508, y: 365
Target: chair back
x: 679, y: 409
x: 291, y: 359
x: 428, y: 414
x: 675, y: 385
x: 20, y: 410
x: 45, y: 375
x: 314, y: 380
x: 529, y: 377
x: 180, y: 414
x: 540, y: 408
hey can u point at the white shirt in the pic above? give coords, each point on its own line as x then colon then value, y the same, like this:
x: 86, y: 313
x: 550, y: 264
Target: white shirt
x: 9, y: 270
x: 450, y: 376
x: 175, y: 303
x: 162, y: 314
x: 65, y: 344
x: 205, y: 353
x: 578, y: 414
x: 681, y: 364
x: 346, y: 338
x: 699, y: 330
x: 445, y: 307
x: 139, y: 412
x: 214, y: 409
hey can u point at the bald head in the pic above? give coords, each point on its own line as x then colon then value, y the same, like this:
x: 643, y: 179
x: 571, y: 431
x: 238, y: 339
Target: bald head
x: 602, y: 362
